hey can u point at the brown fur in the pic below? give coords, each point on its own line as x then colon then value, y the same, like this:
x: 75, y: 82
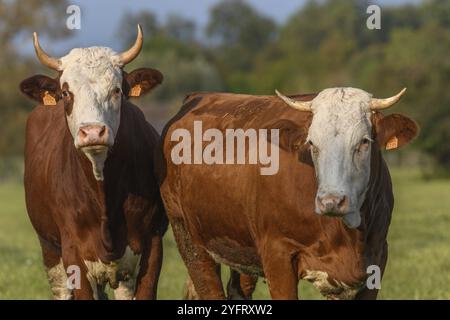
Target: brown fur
x: 266, y: 225
x: 78, y: 218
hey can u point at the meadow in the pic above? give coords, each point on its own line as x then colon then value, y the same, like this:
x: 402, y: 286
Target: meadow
x: 419, y: 244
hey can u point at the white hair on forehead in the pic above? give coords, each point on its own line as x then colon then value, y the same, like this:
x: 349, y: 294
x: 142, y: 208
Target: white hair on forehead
x: 96, y: 67
x: 341, y: 110
x: 342, y: 100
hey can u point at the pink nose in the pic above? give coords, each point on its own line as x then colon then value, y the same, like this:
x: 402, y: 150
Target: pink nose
x: 330, y: 204
x: 93, y: 135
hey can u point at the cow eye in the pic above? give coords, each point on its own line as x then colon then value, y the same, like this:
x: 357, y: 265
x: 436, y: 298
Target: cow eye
x: 65, y: 94
x: 117, y: 91
x: 363, y: 145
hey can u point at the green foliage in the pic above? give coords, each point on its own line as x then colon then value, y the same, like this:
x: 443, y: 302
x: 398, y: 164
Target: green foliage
x: 323, y: 44
x: 327, y: 44
x: 172, y: 48
x: 234, y: 23
x: 127, y: 30
x: 238, y: 34
x: 17, y: 19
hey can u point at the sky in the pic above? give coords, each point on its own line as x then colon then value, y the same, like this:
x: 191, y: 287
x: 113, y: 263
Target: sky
x: 100, y: 18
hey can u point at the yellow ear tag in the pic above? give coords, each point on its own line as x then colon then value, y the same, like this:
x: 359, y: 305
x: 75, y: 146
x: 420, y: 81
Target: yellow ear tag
x: 136, y: 91
x: 48, y: 99
x: 392, y: 143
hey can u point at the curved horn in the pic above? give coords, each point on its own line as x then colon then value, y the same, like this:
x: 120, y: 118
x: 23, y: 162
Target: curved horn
x: 380, y: 104
x: 298, y: 105
x: 132, y: 53
x: 43, y: 57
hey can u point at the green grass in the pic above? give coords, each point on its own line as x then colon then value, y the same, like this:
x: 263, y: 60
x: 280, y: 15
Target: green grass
x: 418, y: 266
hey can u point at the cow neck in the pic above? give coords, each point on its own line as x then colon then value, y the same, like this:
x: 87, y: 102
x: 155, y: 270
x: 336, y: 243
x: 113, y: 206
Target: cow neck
x: 374, y: 194
x: 97, y: 191
x: 117, y: 157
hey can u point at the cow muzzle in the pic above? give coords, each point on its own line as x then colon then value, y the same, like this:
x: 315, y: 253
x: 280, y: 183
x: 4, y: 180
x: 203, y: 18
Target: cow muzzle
x: 93, y: 135
x: 95, y: 140
x: 332, y: 205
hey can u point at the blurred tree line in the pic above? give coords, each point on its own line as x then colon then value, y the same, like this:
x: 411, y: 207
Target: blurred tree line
x: 17, y: 19
x: 324, y: 44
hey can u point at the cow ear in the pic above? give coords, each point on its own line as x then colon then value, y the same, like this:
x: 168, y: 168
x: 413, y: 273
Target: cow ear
x: 291, y: 135
x: 140, y: 81
x: 394, y: 131
x: 42, y: 89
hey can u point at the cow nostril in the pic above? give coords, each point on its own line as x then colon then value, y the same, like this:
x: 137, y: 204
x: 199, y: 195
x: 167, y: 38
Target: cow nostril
x: 341, y: 201
x: 329, y: 204
x: 83, y: 133
x: 102, y: 131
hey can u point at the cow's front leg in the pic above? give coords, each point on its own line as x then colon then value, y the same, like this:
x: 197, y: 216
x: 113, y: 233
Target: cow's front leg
x: 150, y: 268
x: 371, y: 294
x: 367, y: 294
x: 83, y: 289
x: 56, y: 274
x: 280, y: 271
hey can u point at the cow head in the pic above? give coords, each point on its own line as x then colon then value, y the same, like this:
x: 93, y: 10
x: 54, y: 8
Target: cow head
x: 341, y: 136
x: 91, y: 87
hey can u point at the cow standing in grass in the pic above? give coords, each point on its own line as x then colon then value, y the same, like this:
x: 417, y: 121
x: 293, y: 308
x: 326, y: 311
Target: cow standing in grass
x: 90, y: 185
x: 323, y: 217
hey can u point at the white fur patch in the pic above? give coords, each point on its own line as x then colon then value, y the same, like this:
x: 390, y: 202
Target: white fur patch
x: 100, y: 273
x: 339, y: 291
x: 57, y: 278
x: 125, y: 291
x: 97, y: 157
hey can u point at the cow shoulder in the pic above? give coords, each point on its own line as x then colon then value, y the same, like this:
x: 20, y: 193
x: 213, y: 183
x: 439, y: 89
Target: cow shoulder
x: 44, y: 122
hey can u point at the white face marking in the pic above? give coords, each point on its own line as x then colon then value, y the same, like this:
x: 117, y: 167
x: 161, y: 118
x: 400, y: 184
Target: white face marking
x: 92, y: 75
x: 340, y: 133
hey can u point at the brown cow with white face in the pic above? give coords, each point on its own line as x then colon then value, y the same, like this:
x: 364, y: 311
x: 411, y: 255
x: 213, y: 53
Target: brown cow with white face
x: 340, y: 138
x: 90, y: 185
x: 323, y: 217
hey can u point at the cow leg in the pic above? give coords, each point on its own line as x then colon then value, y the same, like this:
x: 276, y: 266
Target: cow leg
x: 248, y: 285
x: 234, y: 291
x: 367, y: 294
x: 56, y: 274
x: 280, y: 272
x: 241, y: 286
x: 57, y: 278
x: 125, y: 290
x: 86, y: 290
x: 201, y: 267
x: 371, y: 294
x: 189, y: 290
x: 150, y: 268
x: 101, y: 294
